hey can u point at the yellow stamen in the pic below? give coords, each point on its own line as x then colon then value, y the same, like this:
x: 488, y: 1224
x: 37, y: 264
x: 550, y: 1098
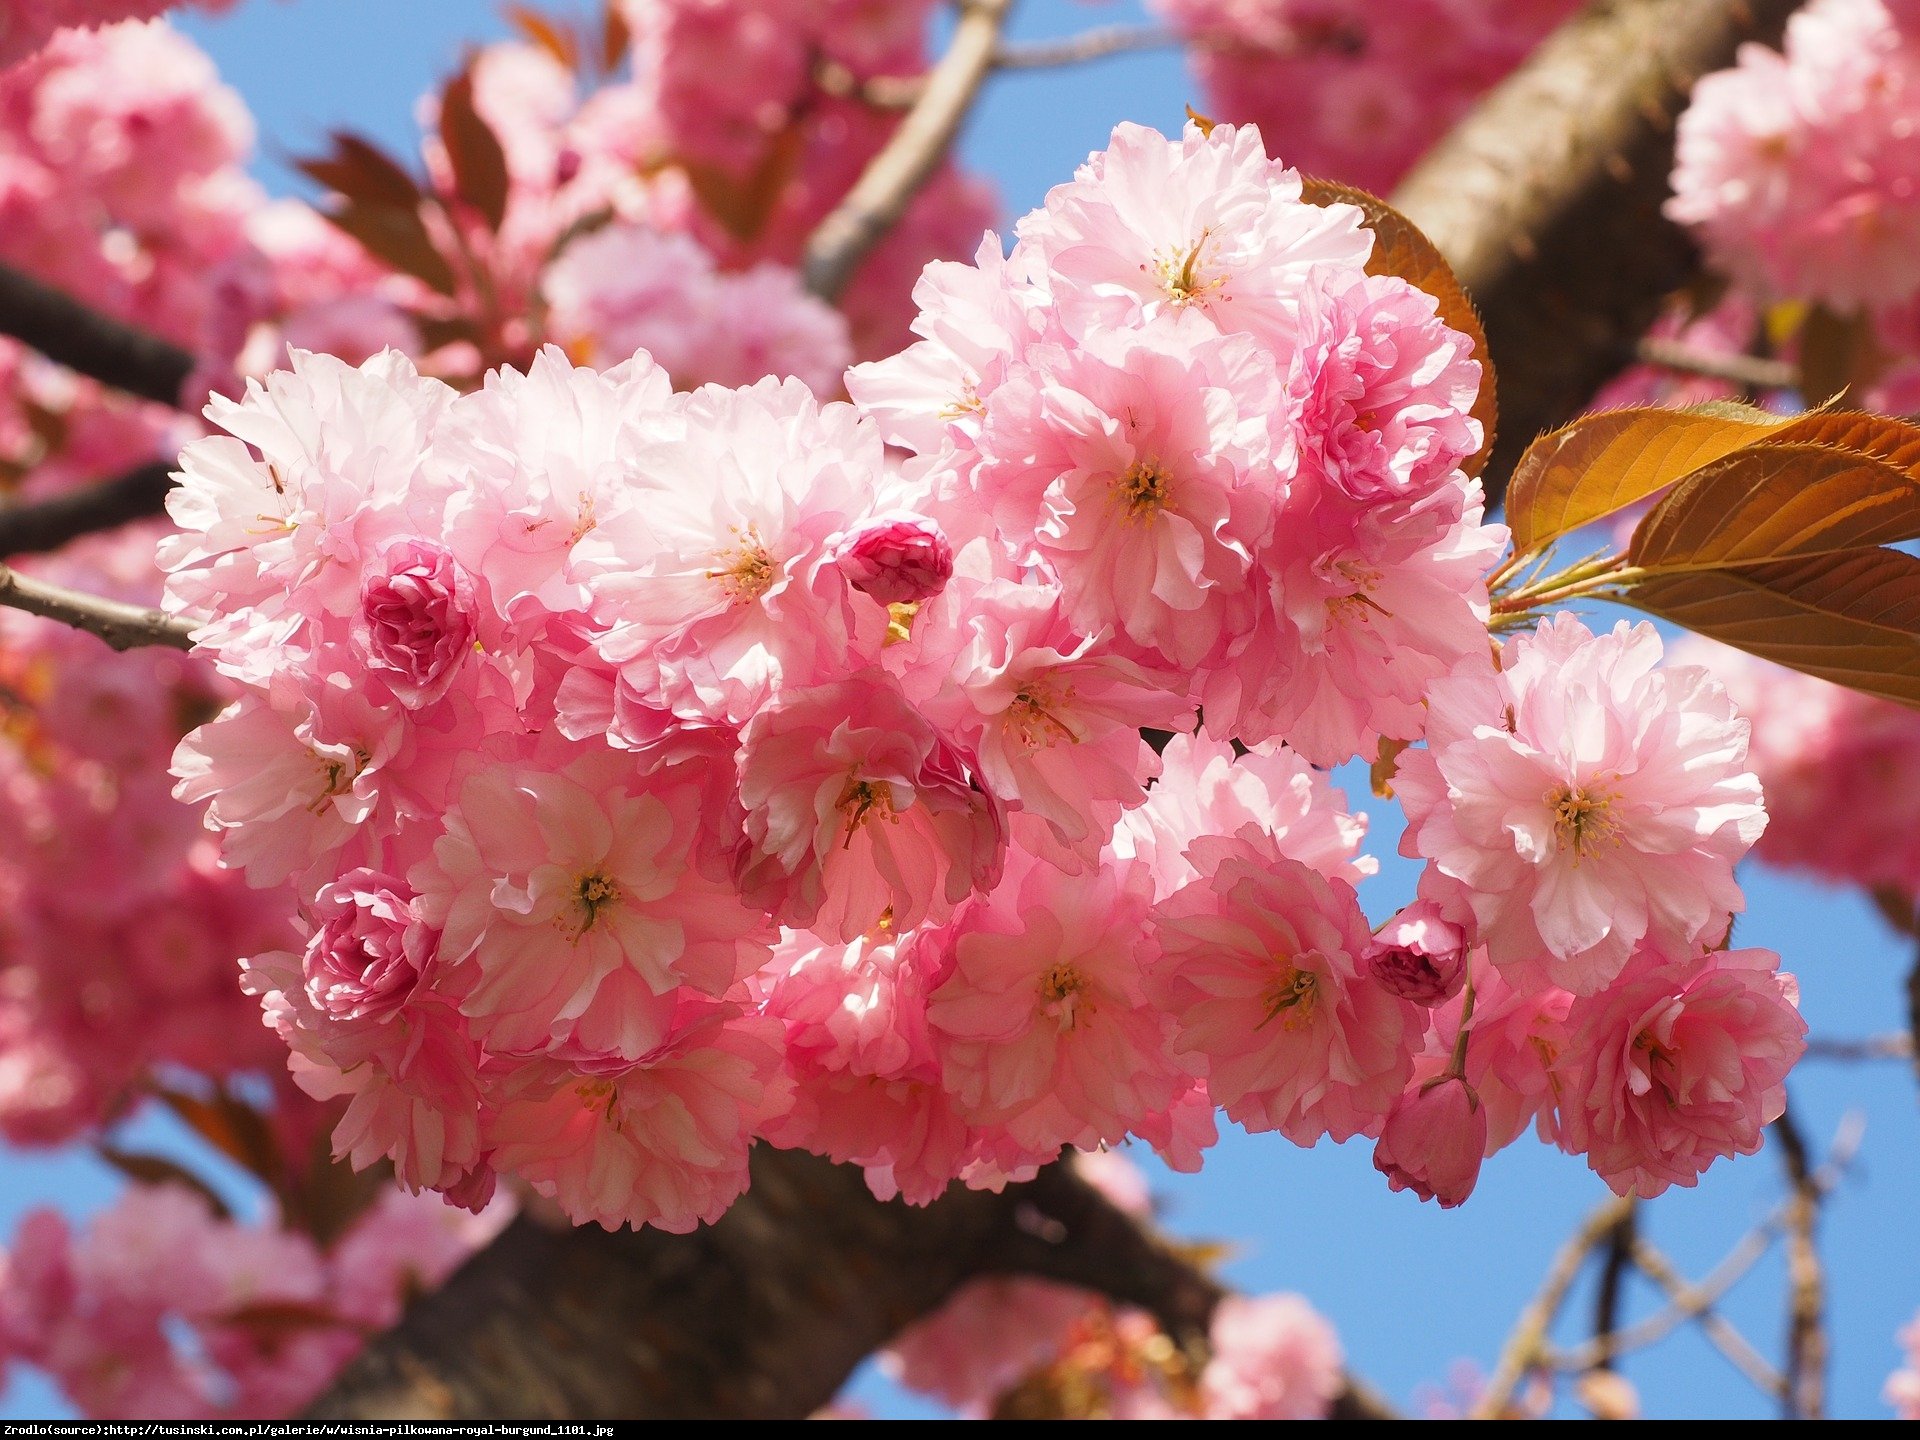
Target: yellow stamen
x: 1063, y: 996
x: 1582, y: 819
x: 744, y: 569
x: 1145, y: 489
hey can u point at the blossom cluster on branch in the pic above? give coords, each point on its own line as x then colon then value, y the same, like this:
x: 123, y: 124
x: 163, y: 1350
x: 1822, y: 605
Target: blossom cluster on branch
x: 660, y: 772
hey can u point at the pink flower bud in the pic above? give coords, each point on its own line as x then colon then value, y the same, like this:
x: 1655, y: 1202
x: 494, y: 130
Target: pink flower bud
x: 1419, y: 956
x: 416, y: 615
x: 897, y: 559
x: 1433, y: 1142
x: 369, y: 951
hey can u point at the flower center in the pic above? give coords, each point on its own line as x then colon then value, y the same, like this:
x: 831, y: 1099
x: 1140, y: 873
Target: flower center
x: 1294, y: 995
x: 1145, y: 490
x: 744, y: 569
x: 1063, y: 996
x: 967, y: 402
x: 593, y: 892
x: 1032, y: 717
x: 1354, y: 605
x: 862, y: 801
x: 336, y: 776
x: 1582, y: 820
x: 1180, y: 274
x: 600, y: 1097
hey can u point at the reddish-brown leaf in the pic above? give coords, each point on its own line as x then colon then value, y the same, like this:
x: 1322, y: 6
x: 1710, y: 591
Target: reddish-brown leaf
x: 362, y: 172
x: 553, y: 36
x: 158, y: 1170
x: 1401, y: 248
x: 398, y: 236
x: 615, y: 38
x: 1603, y: 463
x: 743, y: 206
x: 1897, y: 442
x: 233, y: 1128
x: 1852, y: 618
x: 479, y: 163
x: 1775, y: 502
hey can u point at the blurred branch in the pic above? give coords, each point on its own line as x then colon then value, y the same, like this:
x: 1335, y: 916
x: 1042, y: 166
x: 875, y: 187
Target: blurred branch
x: 96, y: 345
x: 908, y: 160
x: 1724, y: 1335
x: 123, y: 626
x: 1096, y: 44
x: 1806, y: 1376
x: 1546, y: 198
x: 1613, y: 1274
x: 1873, y: 1047
x: 48, y: 524
x: 1749, y: 372
x: 762, y: 1314
x: 1527, y: 1347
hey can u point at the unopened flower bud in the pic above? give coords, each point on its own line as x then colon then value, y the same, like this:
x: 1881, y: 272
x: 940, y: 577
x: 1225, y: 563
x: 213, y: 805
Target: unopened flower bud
x: 897, y: 559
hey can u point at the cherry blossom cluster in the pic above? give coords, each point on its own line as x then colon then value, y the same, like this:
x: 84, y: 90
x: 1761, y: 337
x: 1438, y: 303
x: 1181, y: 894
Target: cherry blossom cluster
x: 1823, y: 750
x: 1797, y: 167
x: 27, y: 25
x: 1353, y: 89
x: 661, y: 771
x: 160, y: 1308
x: 118, y: 928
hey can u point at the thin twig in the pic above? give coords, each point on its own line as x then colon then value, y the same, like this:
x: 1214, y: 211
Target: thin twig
x: 1749, y: 372
x: 123, y: 626
x: 48, y: 524
x: 1872, y: 1047
x: 1726, y: 1338
x: 1805, y: 1394
x: 1527, y: 1344
x: 1096, y: 44
x: 1613, y: 1276
x: 96, y: 345
x: 881, y: 195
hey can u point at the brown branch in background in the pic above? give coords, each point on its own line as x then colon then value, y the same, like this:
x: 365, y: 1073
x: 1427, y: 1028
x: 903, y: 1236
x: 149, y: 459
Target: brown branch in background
x: 1806, y: 1369
x: 762, y: 1315
x: 123, y: 626
x: 1913, y: 1014
x: 1615, y: 1264
x: 48, y: 524
x: 1752, y: 373
x: 1725, y: 1337
x: 911, y: 155
x: 1527, y: 1347
x: 1546, y: 198
x: 96, y: 345
x: 1873, y: 1047
x: 1096, y: 44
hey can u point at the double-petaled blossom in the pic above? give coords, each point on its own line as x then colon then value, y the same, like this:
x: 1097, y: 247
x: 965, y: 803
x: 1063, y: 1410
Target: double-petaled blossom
x: 1681, y: 1062
x: 1581, y: 801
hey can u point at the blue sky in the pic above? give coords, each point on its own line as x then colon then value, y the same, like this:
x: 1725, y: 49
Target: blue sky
x: 1410, y: 1287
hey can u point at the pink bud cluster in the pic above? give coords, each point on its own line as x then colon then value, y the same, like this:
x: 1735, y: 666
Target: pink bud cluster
x: 161, y: 1309
x: 664, y: 771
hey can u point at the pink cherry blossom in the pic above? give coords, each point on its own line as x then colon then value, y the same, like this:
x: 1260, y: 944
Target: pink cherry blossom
x: 1679, y: 1063
x: 898, y: 559
x: 1261, y: 963
x: 1580, y: 801
x: 1419, y: 955
x: 1274, y: 1358
x: 859, y: 812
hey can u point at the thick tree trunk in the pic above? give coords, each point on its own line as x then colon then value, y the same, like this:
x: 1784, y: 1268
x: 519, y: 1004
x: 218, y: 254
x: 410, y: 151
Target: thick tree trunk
x: 1546, y: 198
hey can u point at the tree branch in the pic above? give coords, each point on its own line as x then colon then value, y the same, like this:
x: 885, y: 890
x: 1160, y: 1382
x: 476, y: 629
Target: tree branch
x: 48, y: 524
x: 1095, y: 44
x: 1527, y: 1346
x: 1804, y: 1393
x: 881, y: 195
x: 1720, y: 1331
x: 123, y: 626
x: 96, y: 345
x: 762, y: 1315
x: 1749, y: 372
x: 1546, y: 198
x: 1613, y: 1275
